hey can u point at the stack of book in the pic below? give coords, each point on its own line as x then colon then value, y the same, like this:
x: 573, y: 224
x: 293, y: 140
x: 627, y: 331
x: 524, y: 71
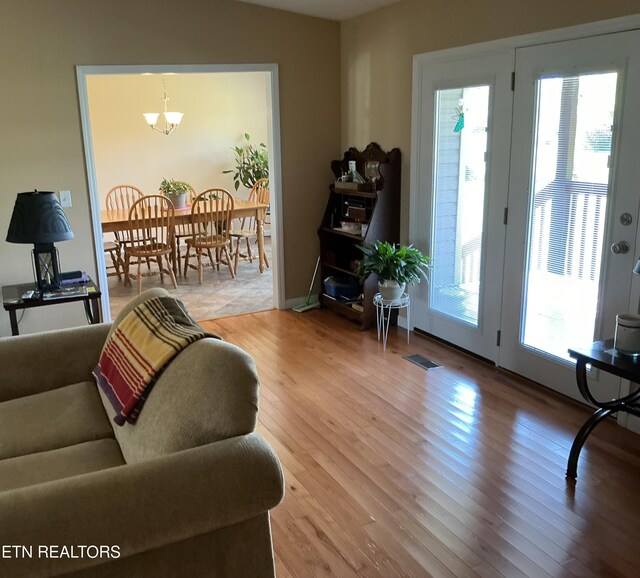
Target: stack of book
x: 73, y: 278
x: 65, y: 292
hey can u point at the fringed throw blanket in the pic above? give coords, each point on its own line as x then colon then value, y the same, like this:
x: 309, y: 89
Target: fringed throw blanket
x: 139, y: 349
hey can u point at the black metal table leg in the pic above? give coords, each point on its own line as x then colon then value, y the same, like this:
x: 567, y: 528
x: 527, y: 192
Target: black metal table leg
x: 13, y: 319
x: 92, y: 310
x: 583, y: 434
x: 96, y: 310
x: 602, y: 355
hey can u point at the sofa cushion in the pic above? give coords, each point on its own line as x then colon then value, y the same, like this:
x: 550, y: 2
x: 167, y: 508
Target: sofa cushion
x: 52, y: 419
x: 61, y: 463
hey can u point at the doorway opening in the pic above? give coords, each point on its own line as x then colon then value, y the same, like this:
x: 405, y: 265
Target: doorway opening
x: 220, y: 104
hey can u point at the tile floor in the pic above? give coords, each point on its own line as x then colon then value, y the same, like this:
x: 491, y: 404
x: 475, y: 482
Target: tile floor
x: 218, y: 296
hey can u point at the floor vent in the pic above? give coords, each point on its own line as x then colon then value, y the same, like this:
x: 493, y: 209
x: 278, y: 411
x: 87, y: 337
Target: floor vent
x: 421, y: 361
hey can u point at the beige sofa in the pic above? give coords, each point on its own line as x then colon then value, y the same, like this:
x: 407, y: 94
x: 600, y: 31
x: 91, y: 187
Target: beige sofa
x: 184, y: 492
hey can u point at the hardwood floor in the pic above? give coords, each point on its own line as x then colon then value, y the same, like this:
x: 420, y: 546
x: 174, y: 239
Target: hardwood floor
x: 392, y: 470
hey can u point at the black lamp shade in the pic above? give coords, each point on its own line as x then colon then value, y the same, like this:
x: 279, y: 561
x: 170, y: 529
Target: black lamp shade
x: 38, y: 218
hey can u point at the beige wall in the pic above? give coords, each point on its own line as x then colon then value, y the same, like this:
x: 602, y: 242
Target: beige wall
x: 41, y: 146
x: 377, y: 51
x: 360, y: 70
x: 218, y: 109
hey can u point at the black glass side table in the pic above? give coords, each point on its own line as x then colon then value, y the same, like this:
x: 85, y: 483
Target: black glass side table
x: 12, y: 300
x: 602, y: 355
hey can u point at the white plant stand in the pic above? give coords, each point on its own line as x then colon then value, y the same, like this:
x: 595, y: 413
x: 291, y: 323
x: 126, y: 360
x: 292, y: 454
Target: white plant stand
x: 383, y: 314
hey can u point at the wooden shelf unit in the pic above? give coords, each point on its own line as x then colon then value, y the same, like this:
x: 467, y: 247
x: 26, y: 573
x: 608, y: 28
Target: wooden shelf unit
x: 379, y: 209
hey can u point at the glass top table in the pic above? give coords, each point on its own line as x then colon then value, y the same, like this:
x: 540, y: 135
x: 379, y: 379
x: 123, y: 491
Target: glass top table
x: 14, y: 299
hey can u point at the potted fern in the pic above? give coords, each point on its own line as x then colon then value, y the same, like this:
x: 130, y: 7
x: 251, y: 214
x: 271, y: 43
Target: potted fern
x: 395, y: 266
x: 252, y: 164
x: 175, y: 191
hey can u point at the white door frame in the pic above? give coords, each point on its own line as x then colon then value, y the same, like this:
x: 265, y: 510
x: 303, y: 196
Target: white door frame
x: 275, y: 180
x: 419, y: 156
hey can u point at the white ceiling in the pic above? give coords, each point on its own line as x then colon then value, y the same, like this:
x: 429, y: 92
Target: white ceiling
x: 331, y: 9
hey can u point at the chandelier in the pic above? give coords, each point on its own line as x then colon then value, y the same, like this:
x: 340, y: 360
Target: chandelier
x: 171, y: 119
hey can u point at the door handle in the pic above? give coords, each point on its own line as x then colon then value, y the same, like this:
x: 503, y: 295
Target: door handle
x: 620, y: 248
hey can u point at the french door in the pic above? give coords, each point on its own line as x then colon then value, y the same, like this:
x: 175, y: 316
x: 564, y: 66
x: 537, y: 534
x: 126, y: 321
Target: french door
x: 530, y: 212
x: 573, y: 204
x: 463, y: 183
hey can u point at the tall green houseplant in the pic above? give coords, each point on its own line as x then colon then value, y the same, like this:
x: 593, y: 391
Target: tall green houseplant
x: 252, y: 163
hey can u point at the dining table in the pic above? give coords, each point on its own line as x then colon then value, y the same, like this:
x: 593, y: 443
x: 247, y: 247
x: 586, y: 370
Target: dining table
x: 118, y: 220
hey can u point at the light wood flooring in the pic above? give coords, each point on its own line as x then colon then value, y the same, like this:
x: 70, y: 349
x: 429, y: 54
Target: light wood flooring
x: 392, y: 470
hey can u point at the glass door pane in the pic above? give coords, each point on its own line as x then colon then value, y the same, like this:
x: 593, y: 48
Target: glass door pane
x: 570, y: 183
x: 462, y: 116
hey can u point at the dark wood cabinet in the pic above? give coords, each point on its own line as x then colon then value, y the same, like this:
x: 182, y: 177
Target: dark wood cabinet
x: 358, y: 214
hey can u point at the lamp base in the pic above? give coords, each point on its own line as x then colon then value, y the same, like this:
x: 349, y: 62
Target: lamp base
x: 46, y: 266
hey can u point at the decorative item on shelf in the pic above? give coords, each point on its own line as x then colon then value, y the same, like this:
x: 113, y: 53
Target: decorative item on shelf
x: 352, y: 180
x: 350, y: 227
x: 38, y: 218
x: 356, y: 212
x: 350, y: 186
x: 175, y: 191
x: 354, y: 175
x: 171, y: 119
x: 395, y: 266
x: 252, y: 164
x: 372, y: 172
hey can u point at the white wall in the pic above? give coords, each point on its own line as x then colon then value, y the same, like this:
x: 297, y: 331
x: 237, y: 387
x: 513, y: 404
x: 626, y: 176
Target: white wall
x: 218, y: 109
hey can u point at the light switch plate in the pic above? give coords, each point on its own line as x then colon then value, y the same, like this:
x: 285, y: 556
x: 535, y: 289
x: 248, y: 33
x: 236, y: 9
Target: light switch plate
x: 65, y: 198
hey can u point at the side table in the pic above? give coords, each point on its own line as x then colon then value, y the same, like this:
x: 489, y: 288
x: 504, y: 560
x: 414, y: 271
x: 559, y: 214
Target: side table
x: 383, y: 314
x: 602, y: 355
x: 12, y: 301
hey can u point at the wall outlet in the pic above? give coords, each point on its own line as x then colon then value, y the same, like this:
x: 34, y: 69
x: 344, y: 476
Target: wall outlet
x: 65, y: 198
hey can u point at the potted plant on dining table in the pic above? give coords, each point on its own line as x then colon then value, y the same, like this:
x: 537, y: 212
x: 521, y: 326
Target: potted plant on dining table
x: 175, y: 191
x: 396, y: 266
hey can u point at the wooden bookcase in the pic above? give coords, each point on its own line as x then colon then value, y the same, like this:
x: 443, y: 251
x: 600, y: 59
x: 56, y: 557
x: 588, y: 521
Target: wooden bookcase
x: 377, y: 206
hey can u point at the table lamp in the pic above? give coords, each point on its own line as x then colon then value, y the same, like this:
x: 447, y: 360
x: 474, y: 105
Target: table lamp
x: 38, y: 218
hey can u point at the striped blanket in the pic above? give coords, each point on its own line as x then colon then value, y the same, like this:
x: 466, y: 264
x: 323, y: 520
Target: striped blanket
x: 139, y: 349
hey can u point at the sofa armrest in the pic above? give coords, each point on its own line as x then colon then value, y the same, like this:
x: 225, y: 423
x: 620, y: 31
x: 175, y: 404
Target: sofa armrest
x: 48, y: 360
x: 141, y: 506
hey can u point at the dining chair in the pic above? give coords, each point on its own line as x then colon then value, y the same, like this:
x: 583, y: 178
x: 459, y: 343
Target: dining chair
x: 120, y: 198
x: 248, y: 227
x: 211, y: 214
x: 113, y: 250
x: 151, y: 233
x: 183, y: 230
